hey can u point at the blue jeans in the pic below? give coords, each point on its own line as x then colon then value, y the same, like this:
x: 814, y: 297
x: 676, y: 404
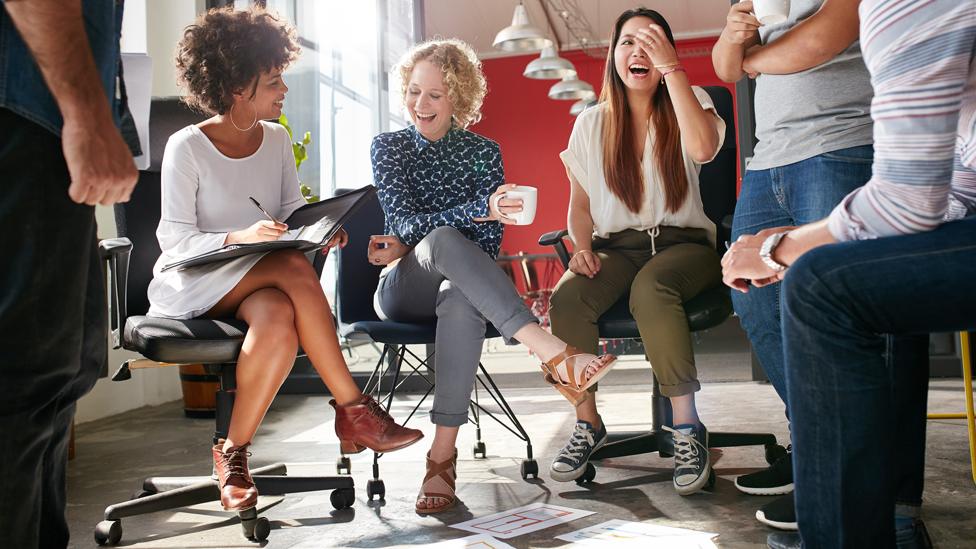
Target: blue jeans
x: 795, y: 194
x: 53, y: 339
x: 838, y: 300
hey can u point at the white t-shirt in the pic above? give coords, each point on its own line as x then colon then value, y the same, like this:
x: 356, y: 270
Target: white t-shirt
x: 204, y: 196
x: 584, y: 159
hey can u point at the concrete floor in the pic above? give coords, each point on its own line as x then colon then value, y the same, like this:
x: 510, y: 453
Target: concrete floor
x: 114, y: 454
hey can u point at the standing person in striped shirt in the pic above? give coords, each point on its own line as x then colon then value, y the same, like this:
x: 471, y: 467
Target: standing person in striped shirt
x: 906, y: 241
x: 814, y: 131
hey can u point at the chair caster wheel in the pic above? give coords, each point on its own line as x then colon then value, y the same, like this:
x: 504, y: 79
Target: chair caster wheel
x: 343, y: 466
x: 255, y: 528
x: 108, y: 532
x: 774, y: 452
x: 479, y: 450
x: 375, y: 487
x: 529, y: 468
x: 342, y: 498
x: 588, y: 475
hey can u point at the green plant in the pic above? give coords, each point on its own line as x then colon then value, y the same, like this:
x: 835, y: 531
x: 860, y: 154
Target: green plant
x: 300, y: 150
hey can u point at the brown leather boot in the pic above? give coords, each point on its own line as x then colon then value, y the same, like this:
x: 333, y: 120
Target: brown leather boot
x: 366, y: 424
x: 237, y: 490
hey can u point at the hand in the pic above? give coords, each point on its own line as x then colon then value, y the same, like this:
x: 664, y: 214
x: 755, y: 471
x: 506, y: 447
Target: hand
x: 655, y: 43
x: 741, y: 25
x: 99, y: 162
x: 339, y: 239
x: 498, y: 209
x: 385, y: 249
x: 263, y: 231
x: 585, y: 263
x: 741, y: 264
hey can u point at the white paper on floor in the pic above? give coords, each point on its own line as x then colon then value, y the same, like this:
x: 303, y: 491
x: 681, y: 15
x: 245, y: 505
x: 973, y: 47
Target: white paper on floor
x: 477, y: 541
x: 622, y: 533
x: 522, y: 520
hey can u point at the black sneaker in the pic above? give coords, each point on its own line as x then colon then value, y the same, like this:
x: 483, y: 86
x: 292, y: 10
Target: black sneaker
x: 776, y: 480
x: 570, y: 462
x: 779, y: 513
x: 691, y: 465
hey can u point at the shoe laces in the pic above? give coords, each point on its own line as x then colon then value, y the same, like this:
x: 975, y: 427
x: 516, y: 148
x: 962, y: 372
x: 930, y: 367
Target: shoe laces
x: 234, y: 462
x: 581, y: 441
x: 686, y: 448
x: 376, y: 410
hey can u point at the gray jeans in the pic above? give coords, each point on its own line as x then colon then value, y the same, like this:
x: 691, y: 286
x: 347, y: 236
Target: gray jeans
x: 448, y: 278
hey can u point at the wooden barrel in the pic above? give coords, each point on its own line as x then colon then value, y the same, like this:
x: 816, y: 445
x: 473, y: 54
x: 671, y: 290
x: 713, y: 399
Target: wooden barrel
x: 199, y: 391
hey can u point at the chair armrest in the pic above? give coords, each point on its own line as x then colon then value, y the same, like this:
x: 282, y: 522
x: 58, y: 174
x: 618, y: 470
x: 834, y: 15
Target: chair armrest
x: 557, y: 239
x: 116, y: 252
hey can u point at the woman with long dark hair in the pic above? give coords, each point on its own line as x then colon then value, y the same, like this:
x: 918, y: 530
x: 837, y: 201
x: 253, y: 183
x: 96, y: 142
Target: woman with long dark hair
x: 638, y: 227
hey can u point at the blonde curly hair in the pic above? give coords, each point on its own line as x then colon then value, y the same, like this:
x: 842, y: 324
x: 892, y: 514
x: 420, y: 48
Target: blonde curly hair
x: 461, y: 69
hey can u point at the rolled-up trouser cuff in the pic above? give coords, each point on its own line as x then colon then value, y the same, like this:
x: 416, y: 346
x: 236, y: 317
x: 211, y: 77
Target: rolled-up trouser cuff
x: 680, y: 389
x: 514, y: 323
x: 448, y: 420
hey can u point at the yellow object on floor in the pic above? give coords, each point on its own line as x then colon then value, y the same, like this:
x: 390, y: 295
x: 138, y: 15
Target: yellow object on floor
x: 967, y: 381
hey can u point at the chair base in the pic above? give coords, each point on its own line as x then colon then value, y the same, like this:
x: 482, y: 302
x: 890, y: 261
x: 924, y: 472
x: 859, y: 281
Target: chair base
x: 165, y: 493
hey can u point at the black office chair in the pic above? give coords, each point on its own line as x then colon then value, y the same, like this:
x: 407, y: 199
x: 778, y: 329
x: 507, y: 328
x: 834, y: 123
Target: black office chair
x: 357, y: 283
x: 214, y: 343
x: 704, y: 311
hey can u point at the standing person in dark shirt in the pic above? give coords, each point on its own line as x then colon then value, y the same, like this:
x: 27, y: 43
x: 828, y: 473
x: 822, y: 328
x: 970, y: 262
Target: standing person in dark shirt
x: 437, y: 185
x: 61, y: 154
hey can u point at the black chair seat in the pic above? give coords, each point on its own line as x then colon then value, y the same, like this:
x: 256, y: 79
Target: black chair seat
x: 185, y: 341
x: 706, y: 310
x: 397, y: 333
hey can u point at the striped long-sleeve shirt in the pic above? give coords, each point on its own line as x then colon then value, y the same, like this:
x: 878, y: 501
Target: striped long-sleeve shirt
x: 922, y: 59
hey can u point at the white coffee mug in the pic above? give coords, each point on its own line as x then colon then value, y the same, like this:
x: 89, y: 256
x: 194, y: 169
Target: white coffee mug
x: 527, y: 195
x: 771, y: 12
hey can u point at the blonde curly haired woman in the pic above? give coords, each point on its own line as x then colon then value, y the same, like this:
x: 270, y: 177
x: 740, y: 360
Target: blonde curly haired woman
x: 437, y: 184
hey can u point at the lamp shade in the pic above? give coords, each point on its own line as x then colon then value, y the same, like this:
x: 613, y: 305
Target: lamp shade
x: 582, y: 105
x: 549, y: 66
x: 521, y: 35
x: 571, y: 87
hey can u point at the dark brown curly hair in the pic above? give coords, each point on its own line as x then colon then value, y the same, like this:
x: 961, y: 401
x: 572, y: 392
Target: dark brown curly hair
x: 225, y: 50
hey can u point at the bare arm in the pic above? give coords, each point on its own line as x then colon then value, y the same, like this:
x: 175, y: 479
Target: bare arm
x: 740, y: 33
x: 813, y: 41
x: 699, y: 129
x: 580, y: 224
x: 99, y: 162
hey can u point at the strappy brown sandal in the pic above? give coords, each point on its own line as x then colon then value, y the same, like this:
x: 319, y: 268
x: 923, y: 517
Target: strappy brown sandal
x: 444, y: 471
x: 564, y: 371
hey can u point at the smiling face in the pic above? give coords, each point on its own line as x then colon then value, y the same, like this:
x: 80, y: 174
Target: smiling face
x: 633, y: 65
x: 268, y: 98
x: 427, y: 101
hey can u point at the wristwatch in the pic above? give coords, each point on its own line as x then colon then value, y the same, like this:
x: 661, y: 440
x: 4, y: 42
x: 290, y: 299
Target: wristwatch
x: 767, y: 248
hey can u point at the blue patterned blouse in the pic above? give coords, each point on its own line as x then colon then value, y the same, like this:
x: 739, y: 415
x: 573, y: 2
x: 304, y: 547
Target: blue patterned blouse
x: 423, y: 185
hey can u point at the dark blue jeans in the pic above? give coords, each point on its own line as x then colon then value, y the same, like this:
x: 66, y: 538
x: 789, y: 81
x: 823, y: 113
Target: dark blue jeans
x: 53, y: 339
x: 838, y: 301
x: 795, y: 194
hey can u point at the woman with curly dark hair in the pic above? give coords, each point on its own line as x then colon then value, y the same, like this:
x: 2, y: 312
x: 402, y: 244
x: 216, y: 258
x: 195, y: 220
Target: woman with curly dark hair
x: 230, y: 64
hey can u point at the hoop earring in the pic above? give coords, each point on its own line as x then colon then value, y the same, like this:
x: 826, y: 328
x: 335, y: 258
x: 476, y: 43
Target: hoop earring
x: 230, y: 114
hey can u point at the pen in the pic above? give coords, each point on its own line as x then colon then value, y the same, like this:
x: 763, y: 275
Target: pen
x: 265, y: 212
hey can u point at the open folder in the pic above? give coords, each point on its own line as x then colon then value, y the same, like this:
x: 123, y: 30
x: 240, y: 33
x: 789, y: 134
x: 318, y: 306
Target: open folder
x: 309, y: 228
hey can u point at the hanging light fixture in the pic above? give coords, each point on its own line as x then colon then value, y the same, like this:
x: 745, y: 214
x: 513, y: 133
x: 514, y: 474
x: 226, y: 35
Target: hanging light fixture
x: 571, y: 88
x: 582, y: 105
x: 521, y: 35
x: 549, y: 66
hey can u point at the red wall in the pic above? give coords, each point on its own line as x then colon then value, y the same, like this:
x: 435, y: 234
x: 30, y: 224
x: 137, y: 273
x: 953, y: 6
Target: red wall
x: 532, y: 129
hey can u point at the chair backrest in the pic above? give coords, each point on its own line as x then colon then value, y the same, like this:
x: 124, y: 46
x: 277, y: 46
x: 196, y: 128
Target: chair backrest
x: 718, y: 177
x: 357, y: 278
x: 138, y: 218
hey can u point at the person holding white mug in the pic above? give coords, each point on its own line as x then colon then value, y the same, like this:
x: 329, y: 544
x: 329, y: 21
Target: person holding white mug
x: 639, y: 227
x: 443, y: 194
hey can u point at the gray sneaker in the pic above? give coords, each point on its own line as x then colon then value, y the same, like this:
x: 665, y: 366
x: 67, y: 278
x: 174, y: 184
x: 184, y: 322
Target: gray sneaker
x: 692, y: 468
x: 570, y: 462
